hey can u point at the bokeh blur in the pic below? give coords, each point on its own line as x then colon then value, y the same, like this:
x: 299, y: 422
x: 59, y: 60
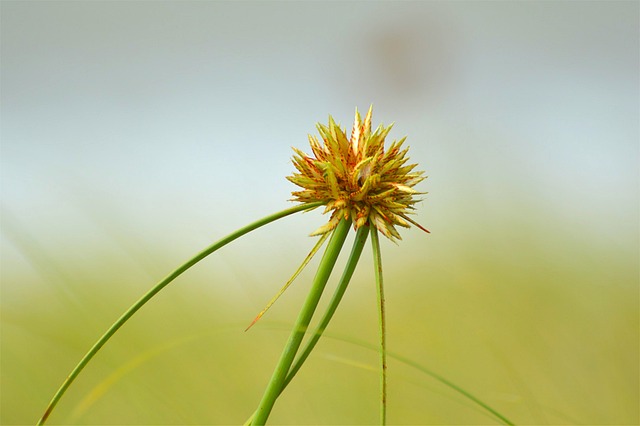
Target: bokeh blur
x: 134, y: 134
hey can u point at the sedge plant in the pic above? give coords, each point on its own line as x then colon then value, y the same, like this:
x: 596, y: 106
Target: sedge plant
x: 364, y: 186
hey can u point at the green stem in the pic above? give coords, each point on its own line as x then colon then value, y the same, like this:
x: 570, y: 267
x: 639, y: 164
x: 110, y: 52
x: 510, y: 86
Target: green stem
x: 354, y: 257
x: 377, y: 262
x: 284, y: 364
x: 144, y: 299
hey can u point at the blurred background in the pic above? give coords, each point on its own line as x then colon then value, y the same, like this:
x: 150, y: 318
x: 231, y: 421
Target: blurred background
x: 134, y: 134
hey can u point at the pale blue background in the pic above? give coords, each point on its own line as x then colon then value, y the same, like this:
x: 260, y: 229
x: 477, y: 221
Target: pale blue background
x: 179, y: 115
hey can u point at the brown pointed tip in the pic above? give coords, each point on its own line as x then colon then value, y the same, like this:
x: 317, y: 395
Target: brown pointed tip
x: 423, y: 228
x: 415, y: 223
x: 255, y: 320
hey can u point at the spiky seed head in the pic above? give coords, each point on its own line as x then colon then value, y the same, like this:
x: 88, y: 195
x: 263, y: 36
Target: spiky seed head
x: 355, y: 177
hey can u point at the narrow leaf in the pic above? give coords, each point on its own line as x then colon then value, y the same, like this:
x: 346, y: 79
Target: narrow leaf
x: 315, y: 249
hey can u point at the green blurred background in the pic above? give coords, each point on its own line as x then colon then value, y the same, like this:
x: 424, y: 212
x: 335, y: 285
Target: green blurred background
x: 136, y: 133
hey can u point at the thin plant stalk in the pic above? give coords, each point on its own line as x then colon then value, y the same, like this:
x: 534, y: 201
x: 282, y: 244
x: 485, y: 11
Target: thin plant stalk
x: 151, y: 293
x: 354, y: 257
x: 327, y: 263
x: 377, y: 264
x: 350, y: 267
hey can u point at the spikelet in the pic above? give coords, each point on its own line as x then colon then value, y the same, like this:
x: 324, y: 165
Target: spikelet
x: 356, y: 178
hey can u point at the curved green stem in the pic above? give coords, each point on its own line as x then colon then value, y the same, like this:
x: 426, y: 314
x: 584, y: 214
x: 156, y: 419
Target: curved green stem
x: 144, y: 299
x: 286, y: 359
x: 377, y: 263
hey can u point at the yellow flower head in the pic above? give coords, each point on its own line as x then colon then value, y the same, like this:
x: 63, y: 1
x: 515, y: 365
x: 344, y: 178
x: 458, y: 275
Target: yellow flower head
x: 356, y: 178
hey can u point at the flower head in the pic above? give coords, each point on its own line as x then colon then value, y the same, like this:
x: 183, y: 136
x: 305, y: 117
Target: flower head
x: 357, y: 178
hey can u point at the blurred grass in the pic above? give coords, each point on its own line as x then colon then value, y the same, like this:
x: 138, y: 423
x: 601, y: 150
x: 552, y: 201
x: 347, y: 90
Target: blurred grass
x: 544, y: 331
